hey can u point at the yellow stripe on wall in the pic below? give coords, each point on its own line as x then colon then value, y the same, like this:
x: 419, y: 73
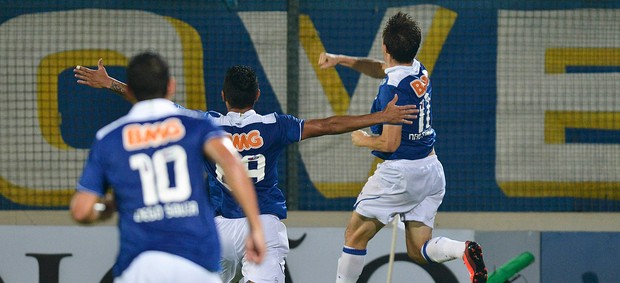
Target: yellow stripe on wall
x: 330, y: 80
x: 34, y: 197
x: 436, y: 37
x: 192, y: 65
x: 590, y: 190
x: 556, y: 123
x: 556, y: 59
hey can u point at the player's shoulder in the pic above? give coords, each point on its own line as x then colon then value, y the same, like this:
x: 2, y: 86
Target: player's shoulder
x: 107, y: 129
x: 286, y: 117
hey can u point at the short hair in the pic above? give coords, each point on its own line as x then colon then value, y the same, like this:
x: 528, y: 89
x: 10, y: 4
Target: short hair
x: 402, y: 37
x: 148, y: 76
x: 240, y: 86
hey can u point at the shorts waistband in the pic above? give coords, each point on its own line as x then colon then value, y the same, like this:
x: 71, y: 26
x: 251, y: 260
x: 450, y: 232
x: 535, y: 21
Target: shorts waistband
x: 421, y: 161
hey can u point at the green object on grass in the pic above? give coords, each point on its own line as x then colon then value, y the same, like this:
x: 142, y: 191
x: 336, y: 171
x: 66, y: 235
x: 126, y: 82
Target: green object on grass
x: 511, y: 268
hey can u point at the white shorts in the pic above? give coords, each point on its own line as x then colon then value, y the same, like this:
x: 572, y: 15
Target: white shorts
x: 156, y: 266
x: 412, y: 188
x: 233, y: 235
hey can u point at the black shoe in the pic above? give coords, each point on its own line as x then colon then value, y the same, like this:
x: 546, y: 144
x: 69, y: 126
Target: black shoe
x: 474, y: 262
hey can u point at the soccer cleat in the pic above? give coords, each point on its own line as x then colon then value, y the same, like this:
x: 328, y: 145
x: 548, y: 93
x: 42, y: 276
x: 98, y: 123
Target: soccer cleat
x: 474, y: 262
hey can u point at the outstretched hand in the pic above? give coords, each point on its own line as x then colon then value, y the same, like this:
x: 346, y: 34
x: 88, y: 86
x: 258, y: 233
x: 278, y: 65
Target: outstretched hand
x: 94, y: 78
x: 327, y: 60
x: 400, y: 114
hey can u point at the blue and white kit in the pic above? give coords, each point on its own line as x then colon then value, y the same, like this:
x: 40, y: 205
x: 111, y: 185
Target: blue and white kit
x: 260, y: 139
x: 411, y: 180
x: 153, y: 159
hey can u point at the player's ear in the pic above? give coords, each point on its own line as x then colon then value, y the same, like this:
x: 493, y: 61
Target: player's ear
x: 222, y: 94
x: 386, y: 54
x: 257, y: 95
x: 172, y: 87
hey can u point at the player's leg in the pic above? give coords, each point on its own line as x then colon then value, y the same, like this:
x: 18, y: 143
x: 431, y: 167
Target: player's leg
x: 422, y: 248
x: 360, y: 230
x: 428, y: 185
x: 416, y: 235
x: 442, y: 249
x: 272, y: 267
x: 233, y: 234
x: 380, y: 199
x: 420, y: 220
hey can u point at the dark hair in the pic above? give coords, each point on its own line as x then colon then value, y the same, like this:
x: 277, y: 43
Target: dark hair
x: 402, y: 37
x: 148, y: 76
x: 240, y: 87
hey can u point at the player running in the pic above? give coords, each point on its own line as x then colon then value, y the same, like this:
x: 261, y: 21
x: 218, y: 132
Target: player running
x: 260, y: 139
x: 410, y: 182
x: 152, y: 158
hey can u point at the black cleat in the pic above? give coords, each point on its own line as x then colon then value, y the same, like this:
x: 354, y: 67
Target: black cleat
x: 474, y: 262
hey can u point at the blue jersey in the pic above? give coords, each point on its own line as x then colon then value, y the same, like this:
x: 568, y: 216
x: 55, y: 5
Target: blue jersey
x: 413, y: 86
x: 260, y: 139
x: 153, y: 158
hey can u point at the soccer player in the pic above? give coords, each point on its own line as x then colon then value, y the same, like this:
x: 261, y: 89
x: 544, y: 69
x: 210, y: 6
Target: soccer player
x: 260, y: 139
x: 152, y: 158
x: 410, y: 182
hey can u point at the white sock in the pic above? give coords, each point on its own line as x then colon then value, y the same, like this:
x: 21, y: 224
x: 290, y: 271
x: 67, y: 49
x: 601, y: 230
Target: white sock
x: 350, y: 265
x: 440, y: 249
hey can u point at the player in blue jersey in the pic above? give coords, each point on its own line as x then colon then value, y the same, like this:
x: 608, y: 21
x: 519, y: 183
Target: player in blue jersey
x: 260, y: 139
x: 152, y: 158
x: 410, y: 182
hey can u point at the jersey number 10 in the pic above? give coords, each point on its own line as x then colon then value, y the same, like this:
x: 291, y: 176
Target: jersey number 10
x: 155, y: 178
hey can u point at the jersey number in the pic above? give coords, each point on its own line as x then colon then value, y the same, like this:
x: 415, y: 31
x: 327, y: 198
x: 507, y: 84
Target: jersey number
x: 155, y: 178
x: 256, y: 162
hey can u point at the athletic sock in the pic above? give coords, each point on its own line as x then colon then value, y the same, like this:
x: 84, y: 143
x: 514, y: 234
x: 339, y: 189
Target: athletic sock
x: 350, y: 265
x: 440, y: 249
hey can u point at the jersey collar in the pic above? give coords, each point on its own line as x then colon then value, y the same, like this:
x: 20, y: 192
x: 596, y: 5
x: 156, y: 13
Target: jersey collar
x: 240, y: 116
x: 150, y: 107
x: 414, y: 68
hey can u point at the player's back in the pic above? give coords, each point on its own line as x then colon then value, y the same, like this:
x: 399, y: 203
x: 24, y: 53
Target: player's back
x: 260, y: 139
x: 413, y: 87
x: 153, y: 159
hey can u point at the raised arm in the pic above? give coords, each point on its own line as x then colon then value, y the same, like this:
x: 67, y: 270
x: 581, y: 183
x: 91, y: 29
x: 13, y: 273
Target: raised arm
x: 222, y: 151
x: 368, y: 66
x: 333, y: 125
x: 100, y: 79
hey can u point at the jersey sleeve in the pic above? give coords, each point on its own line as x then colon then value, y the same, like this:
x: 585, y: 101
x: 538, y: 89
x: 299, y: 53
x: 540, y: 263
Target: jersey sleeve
x: 386, y: 94
x: 290, y: 127
x: 211, y: 130
x: 195, y: 113
x: 93, y: 175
